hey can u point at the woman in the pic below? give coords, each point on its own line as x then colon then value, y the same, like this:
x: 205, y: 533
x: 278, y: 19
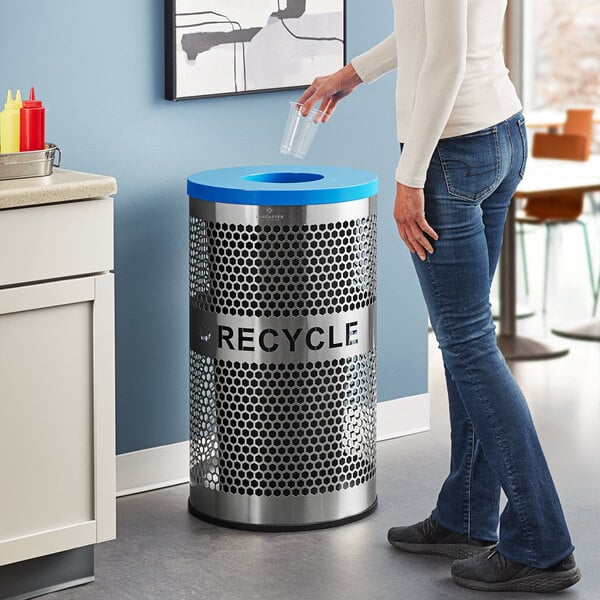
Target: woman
x: 463, y: 153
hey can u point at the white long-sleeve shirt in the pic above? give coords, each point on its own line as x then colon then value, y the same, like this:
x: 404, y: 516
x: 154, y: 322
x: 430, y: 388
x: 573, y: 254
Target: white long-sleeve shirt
x: 451, y: 76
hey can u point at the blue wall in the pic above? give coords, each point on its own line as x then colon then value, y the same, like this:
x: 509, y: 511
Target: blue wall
x: 98, y: 66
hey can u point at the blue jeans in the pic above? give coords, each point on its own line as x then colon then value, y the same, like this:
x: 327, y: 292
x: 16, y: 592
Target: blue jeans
x: 470, y: 182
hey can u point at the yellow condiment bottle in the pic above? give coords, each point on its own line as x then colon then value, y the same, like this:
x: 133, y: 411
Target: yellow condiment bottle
x: 10, y: 123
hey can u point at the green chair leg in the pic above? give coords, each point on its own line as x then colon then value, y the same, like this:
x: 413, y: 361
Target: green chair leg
x: 546, y: 261
x: 589, y: 256
x: 524, y: 257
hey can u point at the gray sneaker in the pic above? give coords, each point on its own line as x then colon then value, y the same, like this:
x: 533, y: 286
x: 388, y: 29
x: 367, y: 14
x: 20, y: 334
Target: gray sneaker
x: 490, y: 571
x: 429, y: 537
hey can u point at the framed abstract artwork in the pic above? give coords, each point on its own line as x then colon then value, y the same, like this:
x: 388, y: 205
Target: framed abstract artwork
x: 223, y: 47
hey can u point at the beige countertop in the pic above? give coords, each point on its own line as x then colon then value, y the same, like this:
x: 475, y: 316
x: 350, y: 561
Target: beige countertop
x: 61, y: 186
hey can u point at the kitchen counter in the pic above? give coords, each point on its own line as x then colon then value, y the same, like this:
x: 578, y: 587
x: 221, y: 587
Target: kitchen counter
x: 62, y: 186
x: 57, y: 382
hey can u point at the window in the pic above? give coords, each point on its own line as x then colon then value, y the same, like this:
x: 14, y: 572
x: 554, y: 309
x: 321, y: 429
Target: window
x: 561, y: 54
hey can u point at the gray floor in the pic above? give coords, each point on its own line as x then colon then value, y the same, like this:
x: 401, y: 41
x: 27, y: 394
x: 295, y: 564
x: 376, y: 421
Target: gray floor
x: 164, y: 553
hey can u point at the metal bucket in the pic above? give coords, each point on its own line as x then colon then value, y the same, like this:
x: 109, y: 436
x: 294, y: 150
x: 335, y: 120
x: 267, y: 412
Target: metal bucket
x: 35, y: 163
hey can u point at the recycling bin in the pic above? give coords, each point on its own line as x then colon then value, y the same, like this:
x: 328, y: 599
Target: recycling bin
x: 283, y: 272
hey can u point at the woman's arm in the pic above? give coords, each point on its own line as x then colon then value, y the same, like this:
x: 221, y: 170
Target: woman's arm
x: 329, y: 90
x: 439, y: 81
x: 367, y: 67
x: 377, y: 61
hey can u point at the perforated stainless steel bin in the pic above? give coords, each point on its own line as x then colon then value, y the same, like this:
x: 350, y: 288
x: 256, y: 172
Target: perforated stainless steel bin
x: 282, y: 346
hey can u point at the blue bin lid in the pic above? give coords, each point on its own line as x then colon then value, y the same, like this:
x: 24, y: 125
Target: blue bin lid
x: 282, y: 185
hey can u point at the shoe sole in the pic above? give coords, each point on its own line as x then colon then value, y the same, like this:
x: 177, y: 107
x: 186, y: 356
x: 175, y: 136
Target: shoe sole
x: 457, y: 551
x: 542, y: 582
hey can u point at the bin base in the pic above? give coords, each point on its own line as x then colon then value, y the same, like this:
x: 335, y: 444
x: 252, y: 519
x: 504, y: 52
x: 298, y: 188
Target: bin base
x: 304, y: 527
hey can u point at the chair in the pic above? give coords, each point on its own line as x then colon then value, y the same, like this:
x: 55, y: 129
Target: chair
x: 558, y: 209
x: 580, y: 121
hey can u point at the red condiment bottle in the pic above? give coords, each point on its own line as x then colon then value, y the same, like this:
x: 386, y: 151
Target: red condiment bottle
x: 32, y: 124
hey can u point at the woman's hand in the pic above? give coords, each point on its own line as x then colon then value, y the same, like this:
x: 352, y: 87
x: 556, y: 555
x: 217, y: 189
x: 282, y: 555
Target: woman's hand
x: 330, y: 90
x: 409, y: 213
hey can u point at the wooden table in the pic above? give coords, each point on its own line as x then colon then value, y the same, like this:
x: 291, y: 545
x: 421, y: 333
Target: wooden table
x: 551, y: 120
x: 542, y: 177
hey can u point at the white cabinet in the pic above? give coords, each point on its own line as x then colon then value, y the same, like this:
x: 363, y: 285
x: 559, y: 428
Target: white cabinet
x: 57, y: 432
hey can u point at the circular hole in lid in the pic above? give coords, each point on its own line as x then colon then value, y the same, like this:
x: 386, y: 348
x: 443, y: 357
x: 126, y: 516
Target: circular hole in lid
x: 281, y: 177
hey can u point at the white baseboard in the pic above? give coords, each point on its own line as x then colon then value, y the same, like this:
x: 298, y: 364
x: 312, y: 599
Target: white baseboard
x: 153, y: 468
x: 163, y: 466
x: 403, y: 416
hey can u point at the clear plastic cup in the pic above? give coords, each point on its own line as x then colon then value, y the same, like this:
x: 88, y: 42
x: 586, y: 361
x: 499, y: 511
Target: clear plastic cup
x: 300, y: 131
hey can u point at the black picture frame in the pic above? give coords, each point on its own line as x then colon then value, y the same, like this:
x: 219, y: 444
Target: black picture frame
x: 282, y: 41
